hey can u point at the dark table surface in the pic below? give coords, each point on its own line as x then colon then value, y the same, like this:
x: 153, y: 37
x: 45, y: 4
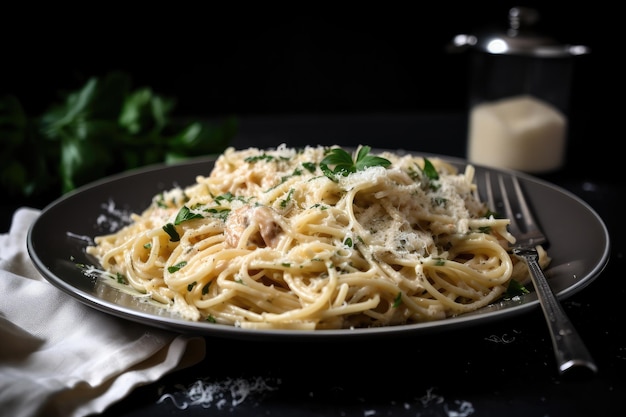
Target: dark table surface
x: 505, y: 367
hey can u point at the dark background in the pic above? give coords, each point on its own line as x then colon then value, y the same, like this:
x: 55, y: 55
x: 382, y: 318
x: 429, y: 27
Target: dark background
x: 316, y: 57
x: 323, y: 58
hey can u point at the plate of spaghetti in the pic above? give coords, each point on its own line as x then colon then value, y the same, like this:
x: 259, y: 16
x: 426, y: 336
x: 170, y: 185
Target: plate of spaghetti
x: 320, y: 241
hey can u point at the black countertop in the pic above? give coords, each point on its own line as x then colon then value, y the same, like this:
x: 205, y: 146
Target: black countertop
x: 505, y: 367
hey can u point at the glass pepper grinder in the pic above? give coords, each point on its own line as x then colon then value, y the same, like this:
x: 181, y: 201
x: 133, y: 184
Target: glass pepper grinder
x: 519, y: 96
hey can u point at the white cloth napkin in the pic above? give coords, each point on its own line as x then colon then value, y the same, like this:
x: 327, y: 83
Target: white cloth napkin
x: 59, y: 357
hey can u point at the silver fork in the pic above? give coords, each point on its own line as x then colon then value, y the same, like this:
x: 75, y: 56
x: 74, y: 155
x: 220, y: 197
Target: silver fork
x: 569, y: 348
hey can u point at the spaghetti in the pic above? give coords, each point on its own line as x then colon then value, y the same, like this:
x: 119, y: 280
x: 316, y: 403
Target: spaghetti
x: 317, y: 238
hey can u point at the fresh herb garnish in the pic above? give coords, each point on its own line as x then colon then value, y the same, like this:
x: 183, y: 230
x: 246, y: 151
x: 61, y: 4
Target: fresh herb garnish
x: 185, y: 214
x: 430, y: 176
x: 429, y: 170
x: 121, y: 279
x: 309, y: 166
x: 174, y: 268
x: 228, y: 197
x: 219, y: 214
x: 514, y: 289
x: 398, y: 300
x: 262, y: 157
x: 494, y: 214
x: 344, y: 165
x: 286, y: 201
x: 170, y: 229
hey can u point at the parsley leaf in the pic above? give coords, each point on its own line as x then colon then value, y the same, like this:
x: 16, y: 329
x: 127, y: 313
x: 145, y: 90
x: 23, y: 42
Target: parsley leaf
x: 345, y: 165
x: 429, y: 170
x: 174, y: 268
x: 430, y: 176
x: 365, y: 160
x: 185, y: 214
x: 170, y: 229
x: 398, y: 300
x: 514, y: 289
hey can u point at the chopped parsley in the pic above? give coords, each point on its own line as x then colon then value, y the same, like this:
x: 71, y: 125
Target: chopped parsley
x: 170, y: 229
x: 121, y: 279
x: 398, y: 300
x: 174, y: 268
x: 185, y: 214
x: 228, y: 197
x: 160, y: 201
x: 514, y: 289
x: 219, y: 214
x: 286, y: 201
x: 439, y: 201
x: 429, y: 170
x: 430, y: 176
x: 309, y: 166
x: 264, y: 157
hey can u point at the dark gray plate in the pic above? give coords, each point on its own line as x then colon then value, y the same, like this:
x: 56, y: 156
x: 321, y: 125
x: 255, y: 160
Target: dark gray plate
x: 579, y: 247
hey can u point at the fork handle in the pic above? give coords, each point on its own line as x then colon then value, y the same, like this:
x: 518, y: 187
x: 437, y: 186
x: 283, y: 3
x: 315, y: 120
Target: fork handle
x: 569, y: 348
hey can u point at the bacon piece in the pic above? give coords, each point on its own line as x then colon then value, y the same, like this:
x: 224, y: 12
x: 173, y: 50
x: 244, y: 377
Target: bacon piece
x: 263, y: 219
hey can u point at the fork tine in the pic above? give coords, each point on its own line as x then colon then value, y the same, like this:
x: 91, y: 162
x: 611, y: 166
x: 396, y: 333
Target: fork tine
x: 508, y: 210
x: 531, y: 233
x: 505, y: 196
x: 527, y: 217
x: 499, y: 201
x: 491, y: 202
